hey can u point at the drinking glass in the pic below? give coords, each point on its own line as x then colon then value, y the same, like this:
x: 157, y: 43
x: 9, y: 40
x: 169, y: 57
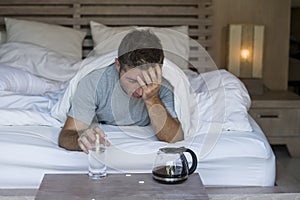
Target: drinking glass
x: 97, y: 158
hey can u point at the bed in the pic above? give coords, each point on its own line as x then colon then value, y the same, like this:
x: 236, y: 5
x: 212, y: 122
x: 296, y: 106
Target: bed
x: 47, y: 46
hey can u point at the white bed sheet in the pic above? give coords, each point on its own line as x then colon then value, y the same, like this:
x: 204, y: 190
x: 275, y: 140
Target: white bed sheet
x: 237, y: 159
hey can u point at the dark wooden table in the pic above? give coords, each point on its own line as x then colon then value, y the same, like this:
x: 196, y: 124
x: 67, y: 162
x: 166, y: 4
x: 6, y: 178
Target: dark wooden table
x: 118, y: 186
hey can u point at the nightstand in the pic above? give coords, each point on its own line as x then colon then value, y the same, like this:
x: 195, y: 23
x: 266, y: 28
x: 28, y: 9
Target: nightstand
x: 278, y: 115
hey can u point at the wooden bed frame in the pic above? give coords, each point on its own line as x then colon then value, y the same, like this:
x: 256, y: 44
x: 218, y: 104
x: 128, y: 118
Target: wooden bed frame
x: 197, y: 14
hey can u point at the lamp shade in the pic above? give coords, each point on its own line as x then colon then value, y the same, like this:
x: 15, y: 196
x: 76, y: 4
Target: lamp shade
x: 245, y: 50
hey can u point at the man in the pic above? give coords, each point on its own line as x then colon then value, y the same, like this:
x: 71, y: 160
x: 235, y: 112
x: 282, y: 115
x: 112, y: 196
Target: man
x: 131, y: 91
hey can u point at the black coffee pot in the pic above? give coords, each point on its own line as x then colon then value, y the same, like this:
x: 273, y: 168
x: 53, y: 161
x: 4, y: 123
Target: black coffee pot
x: 171, y: 165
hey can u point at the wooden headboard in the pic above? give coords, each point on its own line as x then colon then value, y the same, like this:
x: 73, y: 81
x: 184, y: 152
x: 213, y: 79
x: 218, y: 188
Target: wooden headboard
x: 197, y: 14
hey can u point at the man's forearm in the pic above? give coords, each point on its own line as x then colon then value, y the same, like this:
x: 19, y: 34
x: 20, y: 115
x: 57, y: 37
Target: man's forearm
x: 68, y: 139
x: 166, y: 128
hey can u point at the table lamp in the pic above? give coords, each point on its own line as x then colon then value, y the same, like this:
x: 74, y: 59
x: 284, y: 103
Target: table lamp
x: 245, y: 54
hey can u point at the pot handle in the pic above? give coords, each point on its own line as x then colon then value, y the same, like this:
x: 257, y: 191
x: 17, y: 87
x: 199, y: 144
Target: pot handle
x: 194, y: 158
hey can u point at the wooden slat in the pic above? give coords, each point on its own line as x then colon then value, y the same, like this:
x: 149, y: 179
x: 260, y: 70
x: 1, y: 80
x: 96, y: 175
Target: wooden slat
x: 119, y: 21
x: 51, y: 20
x: 141, y: 10
x: 108, y: 2
x: 192, y: 32
x: 35, y: 2
x: 139, y: 21
x: 144, y: 2
x: 35, y: 10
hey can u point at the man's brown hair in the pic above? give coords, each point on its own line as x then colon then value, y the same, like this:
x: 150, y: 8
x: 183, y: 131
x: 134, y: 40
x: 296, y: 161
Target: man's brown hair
x: 140, y: 48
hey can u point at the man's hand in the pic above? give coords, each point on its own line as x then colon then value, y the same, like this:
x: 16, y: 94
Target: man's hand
x: 76, y: 136
x: 166, y: 128
x: 151, y: 83
x: 88, y: 137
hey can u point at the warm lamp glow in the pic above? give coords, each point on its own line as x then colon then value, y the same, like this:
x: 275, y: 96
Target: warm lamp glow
x: 245, y: 54
x: 245, y: 50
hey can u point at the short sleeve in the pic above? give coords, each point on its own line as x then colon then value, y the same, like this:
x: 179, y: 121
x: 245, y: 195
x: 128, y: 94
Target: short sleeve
x: 167, y: 97
x: 83, y: 104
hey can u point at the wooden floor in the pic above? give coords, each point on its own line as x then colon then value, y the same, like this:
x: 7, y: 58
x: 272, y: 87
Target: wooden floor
x: 288, y: 169
x: 287, y: 177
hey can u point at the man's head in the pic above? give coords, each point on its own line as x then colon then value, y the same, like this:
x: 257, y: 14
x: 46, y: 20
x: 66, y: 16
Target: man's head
x: 138, y: 51
x: 140, y: 48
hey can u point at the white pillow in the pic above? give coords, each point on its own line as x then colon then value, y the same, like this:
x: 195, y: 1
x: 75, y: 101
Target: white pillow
x: 221, y: 95
x: 38, y: 61
x: 19, y: 81
x: 66, y: 41
x: 175, y: 40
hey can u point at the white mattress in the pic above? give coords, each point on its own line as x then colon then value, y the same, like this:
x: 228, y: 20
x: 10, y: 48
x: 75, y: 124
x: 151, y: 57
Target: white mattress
x: 236, y: 159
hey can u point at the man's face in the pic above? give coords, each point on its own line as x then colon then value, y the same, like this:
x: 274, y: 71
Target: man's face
x: 129, y: 83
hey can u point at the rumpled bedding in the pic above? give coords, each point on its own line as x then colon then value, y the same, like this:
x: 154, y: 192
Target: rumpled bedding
x: 36, y: 109
x: 209, y: 102
x: 23, y: 109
